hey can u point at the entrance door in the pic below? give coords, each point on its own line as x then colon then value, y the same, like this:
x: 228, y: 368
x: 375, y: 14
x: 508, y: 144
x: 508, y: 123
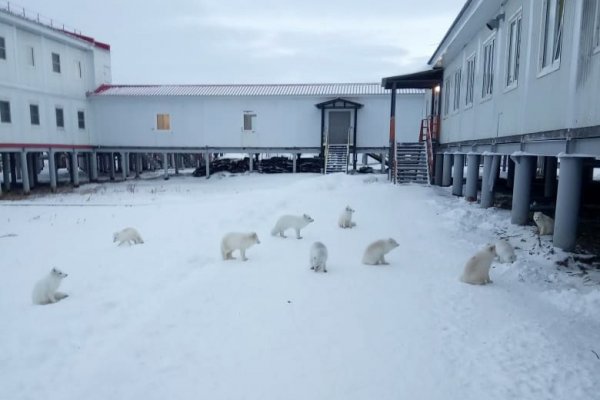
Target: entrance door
x: 339, y: 126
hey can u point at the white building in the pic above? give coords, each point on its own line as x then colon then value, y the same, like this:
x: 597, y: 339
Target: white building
x: 519, y: 84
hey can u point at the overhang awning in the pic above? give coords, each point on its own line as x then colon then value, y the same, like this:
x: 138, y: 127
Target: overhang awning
x: 338, y: 103
x: 418, y: 80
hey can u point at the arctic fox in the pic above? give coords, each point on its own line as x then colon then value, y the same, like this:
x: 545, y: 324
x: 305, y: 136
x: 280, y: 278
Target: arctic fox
x: 237, y: 241
x: 44, y: 291
x: 318, y: 256
x: 127, y: 235
x: 291, y: 221
x: 544, y: 223
x: 376, y: 250
x: 505, y: 251
x: 477, y: 269
x: 345, y: 220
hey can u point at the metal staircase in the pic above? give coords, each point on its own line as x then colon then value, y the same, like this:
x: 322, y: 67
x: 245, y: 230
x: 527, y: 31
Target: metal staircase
x: 336, y: 158
x: 411, y: 163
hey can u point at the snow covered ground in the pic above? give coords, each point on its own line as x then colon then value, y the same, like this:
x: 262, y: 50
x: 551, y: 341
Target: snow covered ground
x: 170, y: 320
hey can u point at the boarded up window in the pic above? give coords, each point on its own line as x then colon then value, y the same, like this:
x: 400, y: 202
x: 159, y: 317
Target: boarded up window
x: 163, y: 122
x: 249, y: 121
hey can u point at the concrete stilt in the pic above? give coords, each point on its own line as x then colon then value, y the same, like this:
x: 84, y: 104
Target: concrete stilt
x: 175, y: 162
x: 111, y: 166
x: 24, y: 173
x: 13, y: 169
x: 138, y: 165
x: 75, y: 168
x: 550, y: 165
x: 439, y: 169
x: 510, y: 174
x: 447, y: 174
x: 165, y: 158
x: 519, y: 213
x: 294, y: 162
x: 52, y: 170
x: 382, y: 155
x: 472, y: 177
x: 457, y: 174
x: 70, y: 167
x: 250, y: 163
x: 30, y: 170
x: 6, y: 170
x: 93, y: 167
x: 488, y: 181
x: 567, y: 202
x: 123, y: 166
x: 36, y: 168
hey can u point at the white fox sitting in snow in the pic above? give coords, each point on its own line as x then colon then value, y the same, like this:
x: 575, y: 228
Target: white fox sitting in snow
x: 291, y: 221
x: 375, y: 252
x: 544, y: 223
x: 127, y: 235
x: 44, y: 291
x: 505, y: 252
x: 345, y: 220
x: 318, y: 257
x: 237, y: 241
x: 477, y: 269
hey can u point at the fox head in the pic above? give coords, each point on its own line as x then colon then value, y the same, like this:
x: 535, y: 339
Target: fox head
x: 254, y: 236
x: 307, y: 218
x: 348, y: 209
x: 392, y: 243
x: 58, y: 273
x: 490, y: 248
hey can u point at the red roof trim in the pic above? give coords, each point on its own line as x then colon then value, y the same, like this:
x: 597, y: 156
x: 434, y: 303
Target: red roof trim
x: 89, y: 39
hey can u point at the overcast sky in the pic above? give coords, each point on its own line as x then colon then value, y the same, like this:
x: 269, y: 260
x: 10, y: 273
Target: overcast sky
x: 258, y: 41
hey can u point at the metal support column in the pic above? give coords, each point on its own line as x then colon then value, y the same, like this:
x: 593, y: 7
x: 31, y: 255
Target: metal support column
x: 123, y: 166
x: 472, y: 176
x: 457, y: 174
x: 488, y: 182
x: 24, y: 173
x: 138, y: 165
x: 294, y: 161
x: 111, y: 166
x: 207, y: 164
x: 6, y: 170
x: 382, y: 155
x: 93, y: 173
x: 439, y: 169
x: 447, y: 174
x: 165, y: 158
x: 550, y: 165
x: 519, y: 213
x: 52, y: 170
x: 250, y: 163
x: 30, y: 167
x: 75, y: 168
x: 567, y: 202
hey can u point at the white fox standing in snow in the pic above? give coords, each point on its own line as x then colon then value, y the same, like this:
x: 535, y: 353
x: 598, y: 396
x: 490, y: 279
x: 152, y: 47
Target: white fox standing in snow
x: 237, y: 241
x: 375, y: 252
x: 477, y: 269
x: 544, y: 223
x: 318, y: 256
x: 505, y: 251
x: 127, y: 235
x: 291, y: 221
x: 44, y: 291
x: 345, y: 220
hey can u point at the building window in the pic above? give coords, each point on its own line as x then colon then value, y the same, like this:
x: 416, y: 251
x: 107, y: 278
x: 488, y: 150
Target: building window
x: 488, y: 68
x: 597, y: 27
x: 447, y: 90
x: 457, y: 83
x: 2, y: 48
x: 60, y: 117
x: 5, y: 112
x: 34, y: 114
x: 163, y: 122
x: 514, y: 51
x: 81, y: 119
x: 249, y: 121
x: 470, y: 80
x: 56, y: 63
x: 552, y: 27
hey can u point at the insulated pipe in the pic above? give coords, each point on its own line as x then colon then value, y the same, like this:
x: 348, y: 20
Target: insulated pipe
x: 567, y: 202
x: 472, y: 177
x: 457, y: 174
x: 519, y: 213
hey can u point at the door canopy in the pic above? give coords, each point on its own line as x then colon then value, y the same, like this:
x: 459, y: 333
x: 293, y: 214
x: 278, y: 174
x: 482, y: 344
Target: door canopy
x: 338, y: 103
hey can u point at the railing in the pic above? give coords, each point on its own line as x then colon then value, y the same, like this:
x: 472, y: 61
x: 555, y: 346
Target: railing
x: 22, y: 12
